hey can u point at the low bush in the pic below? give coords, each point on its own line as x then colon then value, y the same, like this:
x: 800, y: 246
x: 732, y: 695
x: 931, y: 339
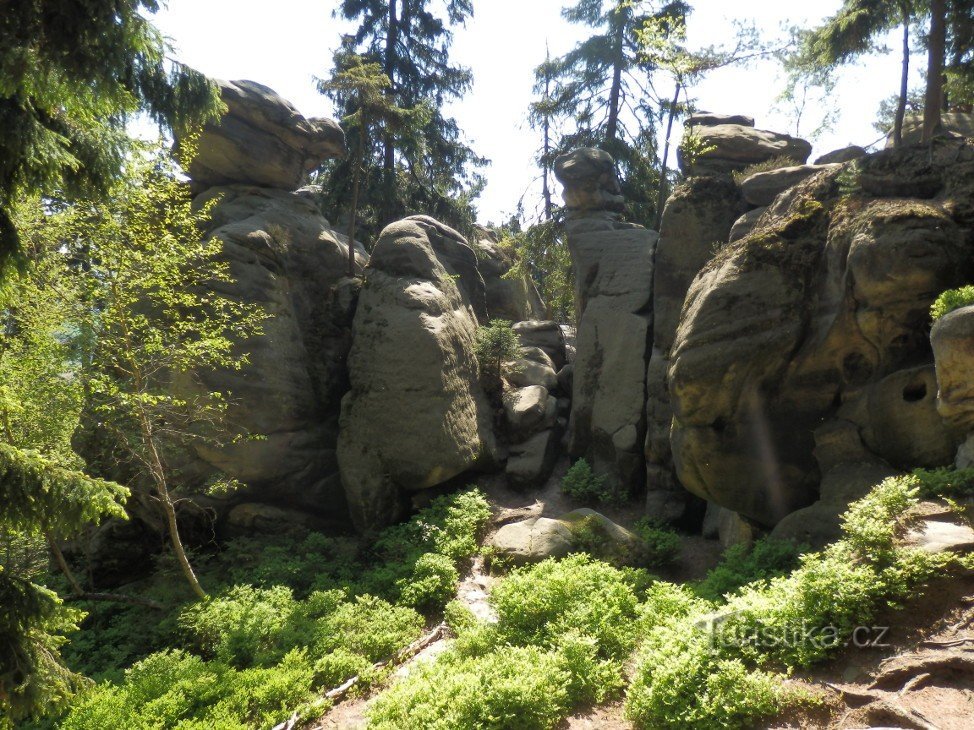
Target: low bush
x: 563, y: 631
x: 716, y: 667
x: 581, y: 483
x: 662, y: 542
x: 743, y: 564
x: 774, y: 163
x: 946, y: 482
x: 950, y: 300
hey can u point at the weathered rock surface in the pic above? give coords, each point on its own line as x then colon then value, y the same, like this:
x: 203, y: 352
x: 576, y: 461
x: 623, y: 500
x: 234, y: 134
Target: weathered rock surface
x: 952, y: 338
x: 415, y: 416
x: 547, y: 335
x: 613, y: 264
x: 812, y: 311
x: 534, y: 367
x: 514, y: 299
x: 262, y: 140
x: 531, y: 461
x: 590, y: 181
x: 762, y: 188
x: 708, y: 119
x: 284, y: 256
x: 527, y: 408
x: 696, y: 221
x: 745, y: 224
x: 729, y: 147
x: 845, y: 154
x: 538, y: 538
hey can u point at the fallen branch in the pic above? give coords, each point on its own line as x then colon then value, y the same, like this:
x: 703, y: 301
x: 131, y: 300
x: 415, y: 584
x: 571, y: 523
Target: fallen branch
x: 338, y: 693
x: 949, y: 643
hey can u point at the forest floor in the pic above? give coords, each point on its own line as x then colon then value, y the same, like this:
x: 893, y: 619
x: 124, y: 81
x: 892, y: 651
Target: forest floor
x: 697, y: 556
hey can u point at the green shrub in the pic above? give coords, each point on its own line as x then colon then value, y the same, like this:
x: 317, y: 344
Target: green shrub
x: 662, y: 542
x: 432, y: 584
x: 515, y: 687
x: 743, y: 564
x: 241, y: 627
x: 581, y: 483
x: 950, y: 300
x: 946, y: 482
x: 698, y: 668
x: 537, y: 605
x: 175, y: 688
x: 368, y: 626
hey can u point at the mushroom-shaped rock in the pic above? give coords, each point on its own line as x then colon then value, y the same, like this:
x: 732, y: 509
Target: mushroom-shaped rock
x: 261, y: 140
x: 415, y: 416
x: 590, y: 181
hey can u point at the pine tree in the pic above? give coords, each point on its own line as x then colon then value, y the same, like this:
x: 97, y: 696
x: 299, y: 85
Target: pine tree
x: 604, y: 87
x: 70, y: 74
x: 431, y: 170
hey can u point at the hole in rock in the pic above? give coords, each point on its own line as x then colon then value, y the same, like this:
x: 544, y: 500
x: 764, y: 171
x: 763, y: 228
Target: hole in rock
x: 915, y: 392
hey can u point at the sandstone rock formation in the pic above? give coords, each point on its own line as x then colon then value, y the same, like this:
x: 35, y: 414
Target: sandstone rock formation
x: 696, y: 221
x: 726, y: 147
x: 952, y: 338
x: 613, y: 263
x: 415, y: 416
x: 844, y: 154
x: 261, y: 140
x: 762, y: 188
x: 955, y: 123
x: 821, y: 312
x: 283, y: 255
x: 512, y: 298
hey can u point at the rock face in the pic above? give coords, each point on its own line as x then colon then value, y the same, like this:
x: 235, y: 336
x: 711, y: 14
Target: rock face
x: 613, y: 263
x: 697, y: 218
x: 283, y: 255
x: 262, y: 140
x: 961, y: 123
x: 762, y: 188
x: 514, y: 299
x: 821, y: 312
x: 729, y: 147
x: 845, y: 154
x: 415, y: 416
x: 546, y: 335
x: 952, y: 338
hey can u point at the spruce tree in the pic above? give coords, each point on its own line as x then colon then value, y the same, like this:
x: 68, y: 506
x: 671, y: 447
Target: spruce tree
x: 431, y: 170
x: 70, y: 74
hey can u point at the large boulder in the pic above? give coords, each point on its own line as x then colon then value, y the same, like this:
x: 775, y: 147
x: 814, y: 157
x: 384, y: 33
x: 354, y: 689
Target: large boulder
x: 952, y: 338
x: 415, y: 416
x: 697, y: 219
x: 547, y: 335
x: 817, y: 310
x: 261, y: 140
x: 961, y: 123
x: 513, y: 297
x: 729, y: 147
x: 284, y: 256
x: 613, y: 265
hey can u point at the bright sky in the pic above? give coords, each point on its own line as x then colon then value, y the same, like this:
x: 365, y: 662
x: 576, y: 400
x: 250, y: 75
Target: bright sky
x: 285, y: 43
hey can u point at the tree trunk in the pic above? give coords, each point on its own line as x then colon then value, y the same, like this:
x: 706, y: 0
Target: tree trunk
x: 615, y: 92
x: 353, y: 213
x: 546, y: 159
x: 63, y: 564
x: 933, y: 99
x: 904, y: 81
x: 661, y: 197
x: 390, y: 67
x: 177, y: 544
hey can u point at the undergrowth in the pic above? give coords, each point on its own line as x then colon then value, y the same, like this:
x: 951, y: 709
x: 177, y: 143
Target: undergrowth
x: 297, y: 615
x: 950, y: 300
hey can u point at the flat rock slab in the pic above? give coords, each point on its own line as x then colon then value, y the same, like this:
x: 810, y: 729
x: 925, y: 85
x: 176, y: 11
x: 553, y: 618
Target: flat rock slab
x: 762, y: 188
x: 934, y: 536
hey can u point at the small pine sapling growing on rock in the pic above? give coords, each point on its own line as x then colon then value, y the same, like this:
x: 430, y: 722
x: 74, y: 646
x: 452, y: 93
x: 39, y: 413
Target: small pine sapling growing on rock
x: 496, y: 344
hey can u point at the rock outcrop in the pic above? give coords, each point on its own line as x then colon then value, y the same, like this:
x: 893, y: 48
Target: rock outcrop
x: 762, y: 188
x: 511, y: 297
x: 613, y: 263
x: 821, y: 312
x: 415, y: 416
x: 261, y: 140
x: 725, y: 147
x: 952, y: 338
x: 697, y: 220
